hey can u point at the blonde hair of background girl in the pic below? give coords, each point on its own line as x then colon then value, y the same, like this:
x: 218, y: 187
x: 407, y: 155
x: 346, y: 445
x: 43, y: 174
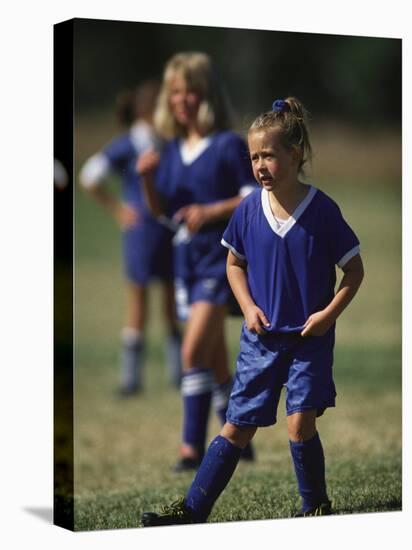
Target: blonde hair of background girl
x: 197, y: 71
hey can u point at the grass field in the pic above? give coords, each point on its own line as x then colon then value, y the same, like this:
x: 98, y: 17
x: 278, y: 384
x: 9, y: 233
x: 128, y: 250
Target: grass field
x: 124, y: 449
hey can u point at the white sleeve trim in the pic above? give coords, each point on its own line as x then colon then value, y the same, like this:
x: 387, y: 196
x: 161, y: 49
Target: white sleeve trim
x: 245, y: 190
x: 345, y: 259
x: 94, y: 170
x: 233, y: 250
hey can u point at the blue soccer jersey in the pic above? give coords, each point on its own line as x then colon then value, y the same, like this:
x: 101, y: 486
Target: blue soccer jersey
x: 219, y: 169
x: 122, y: 154
x: 291, y: 267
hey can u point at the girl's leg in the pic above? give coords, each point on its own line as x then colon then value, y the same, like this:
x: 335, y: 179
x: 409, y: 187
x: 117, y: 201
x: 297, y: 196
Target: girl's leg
x: 173, y: 339
x: 223, y: 378
x: 213, y: 475
x: 216, y: 469
x: 203, y: 330
x: 223, y: 387
x: 308, y: 458
x: 132, y: 340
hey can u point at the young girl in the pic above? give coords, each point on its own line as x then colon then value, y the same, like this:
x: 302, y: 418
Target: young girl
x: 200, y: 178
x: 147, y: 248
x: 284, y: 241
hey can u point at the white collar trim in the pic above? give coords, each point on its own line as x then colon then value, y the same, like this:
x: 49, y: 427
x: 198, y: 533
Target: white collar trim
x: 290, y: 222
x: 189, y: 155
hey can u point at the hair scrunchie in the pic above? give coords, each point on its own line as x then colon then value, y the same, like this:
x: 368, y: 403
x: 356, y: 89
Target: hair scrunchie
x: 280, y: 106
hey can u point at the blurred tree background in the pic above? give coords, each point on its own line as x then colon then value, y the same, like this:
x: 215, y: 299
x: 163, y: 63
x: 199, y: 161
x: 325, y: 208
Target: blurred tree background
x: 349, y: 78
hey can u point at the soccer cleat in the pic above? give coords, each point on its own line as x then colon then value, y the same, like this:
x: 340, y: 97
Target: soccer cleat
x: 175, y: 514
x: 186, y: 464
x: 324, y: 509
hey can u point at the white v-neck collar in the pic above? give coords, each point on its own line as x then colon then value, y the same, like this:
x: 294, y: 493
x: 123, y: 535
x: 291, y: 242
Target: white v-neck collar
x: 290, y: 222
x: 189, y: 155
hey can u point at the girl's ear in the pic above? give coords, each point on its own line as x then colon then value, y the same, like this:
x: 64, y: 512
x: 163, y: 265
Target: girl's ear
x: 297, y: 154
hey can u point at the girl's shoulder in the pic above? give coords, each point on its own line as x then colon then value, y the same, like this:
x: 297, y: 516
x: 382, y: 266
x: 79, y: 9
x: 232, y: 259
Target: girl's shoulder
x: 325, y: 201
x: 170, y: 148
x: 253, y: 198
x: 230, y: 147
x: 250, y: 204
x: 171, y: 144
x: 119, y: 147
x: 327, y: 208
x: 142, y: 137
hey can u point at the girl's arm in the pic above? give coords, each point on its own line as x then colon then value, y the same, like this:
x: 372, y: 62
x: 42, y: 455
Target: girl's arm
x: 92, y: 177
x: 236, y: 274
x: 319, y: 323
x: 124, y: 215
x: 146, y: 166
x: 197, y: 215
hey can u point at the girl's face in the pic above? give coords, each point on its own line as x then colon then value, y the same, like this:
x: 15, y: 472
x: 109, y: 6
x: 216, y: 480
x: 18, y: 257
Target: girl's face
x: 273, y: 165
x: 184, y: 103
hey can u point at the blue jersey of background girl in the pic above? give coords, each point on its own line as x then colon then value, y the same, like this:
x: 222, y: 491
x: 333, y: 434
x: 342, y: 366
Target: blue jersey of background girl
x: 217, y: 173
x: 147, y: 247
x: 291, y: 272
x: 122, y: 155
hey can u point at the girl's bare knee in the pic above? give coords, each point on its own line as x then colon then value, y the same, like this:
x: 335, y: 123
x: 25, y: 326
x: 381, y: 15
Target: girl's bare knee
x: 239, y: 436
x: 302, y: 426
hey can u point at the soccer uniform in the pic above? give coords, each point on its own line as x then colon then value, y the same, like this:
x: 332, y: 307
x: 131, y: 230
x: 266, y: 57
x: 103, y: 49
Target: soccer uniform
x: 147, y: 245
x: 217, y: 169
x: 291, y: 274
x: 147, y: 249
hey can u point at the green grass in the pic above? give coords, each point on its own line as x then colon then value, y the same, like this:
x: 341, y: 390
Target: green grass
x: 124, y: 449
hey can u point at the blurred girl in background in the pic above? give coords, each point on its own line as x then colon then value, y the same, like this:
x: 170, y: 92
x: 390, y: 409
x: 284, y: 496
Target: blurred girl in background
x: 147, y: 251
x: 197, y: 182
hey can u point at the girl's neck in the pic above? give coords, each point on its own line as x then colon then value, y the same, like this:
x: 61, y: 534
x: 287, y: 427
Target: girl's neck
x: 287, y: 197
x: 192, y: 136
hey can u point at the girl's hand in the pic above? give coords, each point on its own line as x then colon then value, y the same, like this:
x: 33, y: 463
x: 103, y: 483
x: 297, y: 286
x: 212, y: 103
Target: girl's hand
x: 317, y: 324
x: 126, y: 216
x: 255, y: 319
x: 147, y: 163
x: 194, y: 215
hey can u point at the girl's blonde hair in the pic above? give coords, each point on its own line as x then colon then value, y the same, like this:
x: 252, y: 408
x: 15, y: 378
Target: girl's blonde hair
x: 214, y: 110
x: 290, y: 117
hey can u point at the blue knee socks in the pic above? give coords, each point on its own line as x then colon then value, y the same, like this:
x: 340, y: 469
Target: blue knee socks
x: 309, y: 462
x: 213, y: 475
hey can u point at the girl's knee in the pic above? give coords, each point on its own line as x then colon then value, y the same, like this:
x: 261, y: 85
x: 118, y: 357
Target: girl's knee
x: 302, y: 425
x: 187, y: 356
x: 239, y: 436
x: 194, y: 356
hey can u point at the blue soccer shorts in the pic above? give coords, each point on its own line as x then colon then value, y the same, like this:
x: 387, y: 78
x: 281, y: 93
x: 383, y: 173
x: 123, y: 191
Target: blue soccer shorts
x: 209, y: 289
x: 268, y: 363
x: 147, y: 253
